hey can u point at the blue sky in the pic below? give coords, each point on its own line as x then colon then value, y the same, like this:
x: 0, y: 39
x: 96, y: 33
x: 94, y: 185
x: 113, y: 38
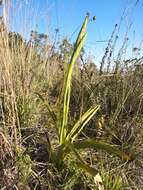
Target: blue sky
x: 68, y: 15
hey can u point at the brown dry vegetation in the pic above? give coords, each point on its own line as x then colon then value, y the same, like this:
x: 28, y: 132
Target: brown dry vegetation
x: 33, y: 83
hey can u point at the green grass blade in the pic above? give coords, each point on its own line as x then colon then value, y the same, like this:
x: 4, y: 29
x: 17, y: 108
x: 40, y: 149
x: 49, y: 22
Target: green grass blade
x: 47, y: 105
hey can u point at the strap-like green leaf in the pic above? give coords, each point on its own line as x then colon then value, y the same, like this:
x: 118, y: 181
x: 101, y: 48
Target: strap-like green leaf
x: 82, y: 31
x: 98, y: 145
x: 67, y: 85
x: 77, y: 128
x: 81, y: 163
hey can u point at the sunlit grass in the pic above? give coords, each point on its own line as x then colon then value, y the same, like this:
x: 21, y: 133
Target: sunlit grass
x: 58, y: 127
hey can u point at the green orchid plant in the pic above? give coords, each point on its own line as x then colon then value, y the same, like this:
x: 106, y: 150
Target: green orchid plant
x: 68, y: 139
